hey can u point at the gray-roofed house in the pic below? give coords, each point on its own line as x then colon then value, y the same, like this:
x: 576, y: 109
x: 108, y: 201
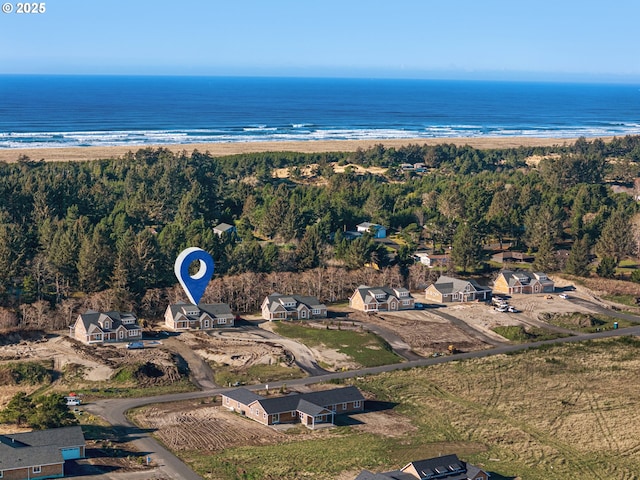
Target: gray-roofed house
x: 102, y: 327
x: 224, y: 229
x: 306, y: 408
x: 449, y: 289
x: 509, y: 282
x: 381, y: 299
x: 41, y: 453
x: 292, y: 307
x: 447, y: 467
x: 187, y: 316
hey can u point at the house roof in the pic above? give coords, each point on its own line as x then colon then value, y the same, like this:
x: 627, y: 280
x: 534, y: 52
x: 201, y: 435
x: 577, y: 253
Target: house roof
x: 525, y: 277
x: 91, y: 317
x: 368, y: 225
x: 223, y: 228
x: 320, y: 400
x: 368, y: 293
x: 395, y: 475
x: 243, y: 396
x: 215, y: 310
x: 40, y: 447
x: 276, y: 302
x: 448, y: 467
x: 447, y: 285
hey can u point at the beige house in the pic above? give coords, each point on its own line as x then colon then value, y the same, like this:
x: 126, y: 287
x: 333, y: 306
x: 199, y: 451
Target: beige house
x: 292, y: 307
x: 449, y: 289
x: 309, y: 409
x: 97, y: 327
x: 510, y: 282
x: 447, y: 467
x: 187, y: 316
x: 381, y: 299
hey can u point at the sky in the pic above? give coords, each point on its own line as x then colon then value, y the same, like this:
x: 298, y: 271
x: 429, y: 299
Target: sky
x: 584, y: 40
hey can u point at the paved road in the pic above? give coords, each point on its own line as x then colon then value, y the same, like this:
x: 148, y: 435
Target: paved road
x: 466, y: 328
x: 113, y: 410
x: 605, y: 311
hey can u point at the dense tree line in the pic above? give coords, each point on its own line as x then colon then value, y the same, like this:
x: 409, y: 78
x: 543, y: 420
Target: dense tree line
x: 117, y: 225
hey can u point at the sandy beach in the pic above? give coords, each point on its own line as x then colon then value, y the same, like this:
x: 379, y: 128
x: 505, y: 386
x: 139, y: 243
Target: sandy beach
x: 232, y: 148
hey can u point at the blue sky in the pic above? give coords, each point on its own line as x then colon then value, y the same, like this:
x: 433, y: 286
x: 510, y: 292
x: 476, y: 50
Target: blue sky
x: 488, y: 39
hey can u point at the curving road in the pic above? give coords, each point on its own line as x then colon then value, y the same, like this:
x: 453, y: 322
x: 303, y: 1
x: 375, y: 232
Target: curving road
x: 113, y: 410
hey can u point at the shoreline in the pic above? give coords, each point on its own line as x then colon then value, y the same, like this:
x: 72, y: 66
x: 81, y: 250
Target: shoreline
x: 62, y: 154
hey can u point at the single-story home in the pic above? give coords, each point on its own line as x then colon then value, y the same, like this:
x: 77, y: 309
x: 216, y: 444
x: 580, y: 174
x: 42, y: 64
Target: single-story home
x: 378, y: 231
x: 292, y: 307
x: 509, y: 282
x: 102, y: 327
x: 449, y: 289
x: 512, y: 256
x: 224, y: 229
x: 41, y: 453
x: 381, y: 299
x: 187, y: 316
x: 447, y: 467
x: 306, y: 408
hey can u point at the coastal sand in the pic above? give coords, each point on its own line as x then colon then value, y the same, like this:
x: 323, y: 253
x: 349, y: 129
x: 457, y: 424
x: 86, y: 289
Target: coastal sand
x: 232, y: 148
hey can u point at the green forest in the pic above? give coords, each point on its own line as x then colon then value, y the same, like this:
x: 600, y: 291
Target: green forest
x: 110, y: 230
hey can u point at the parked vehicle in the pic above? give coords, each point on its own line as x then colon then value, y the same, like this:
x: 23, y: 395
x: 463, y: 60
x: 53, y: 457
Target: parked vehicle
x: 419, y: 306
x: 135, y: 345
x: 512, y: 309
x: 564, y: 296
x: 502, y: 308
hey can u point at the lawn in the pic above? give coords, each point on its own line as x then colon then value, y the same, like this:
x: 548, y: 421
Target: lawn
x: 552, y: 413
x: 587, y: 323
x: 364, y: 348
x: 520, y: 334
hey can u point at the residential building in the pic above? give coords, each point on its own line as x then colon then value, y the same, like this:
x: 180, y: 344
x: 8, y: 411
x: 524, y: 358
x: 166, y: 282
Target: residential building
x: 187, y: 316
x: 449, y: 289
x: 309, y: 409
x: 41, y: 453
x: 378, y: 231
x: 432, y: 260
x: 103, y: 327
x: 381, y: 299
x: 225, y: 229
x: 447, y: 467
x: 509, y: 282
x: 512, y: 256
x: 292, y: 307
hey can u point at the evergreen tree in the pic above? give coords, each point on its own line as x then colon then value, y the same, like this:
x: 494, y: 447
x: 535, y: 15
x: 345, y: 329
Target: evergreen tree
x: 545, y: 259
x: 51, y: 412
x: 607, y: 267
x: 578, y: 261
x: 18, y: 410
x: 616, y: 239
x: 466, y: 250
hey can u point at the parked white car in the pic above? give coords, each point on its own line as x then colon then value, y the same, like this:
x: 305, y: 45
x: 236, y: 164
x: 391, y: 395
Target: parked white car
x: 564, y: 296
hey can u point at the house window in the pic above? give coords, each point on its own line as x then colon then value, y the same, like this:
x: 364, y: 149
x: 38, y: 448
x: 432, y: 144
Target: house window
x: 206, y: 323
x: 344, y: 406
x: 37, y: 469
x: 1, y: 473
x: 356, y: 404
x: 264, y: 415
x: 293, y: 413
x: 121, y: 334
x: 316, y: 311
x: 222, y: 321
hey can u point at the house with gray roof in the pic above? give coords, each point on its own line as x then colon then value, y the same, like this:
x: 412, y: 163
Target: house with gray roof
x: 309, y: 409
x: 447, y: 467
x: 381, y: 299
x: 225, y: 229
x: 449, y: 289
x: 41, y: 453
x: 510, y: 282
x: 103, y: 327
x: 204, y: 316
x: 292, y: 307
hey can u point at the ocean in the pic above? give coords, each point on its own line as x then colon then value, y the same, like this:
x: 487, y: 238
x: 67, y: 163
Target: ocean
x: 63, y: 111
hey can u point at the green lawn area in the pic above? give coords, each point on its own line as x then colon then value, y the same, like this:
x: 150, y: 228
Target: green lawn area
x: 588, y: 323
x: 519, y: 334
x: 364, y: 348
x: 629, y: 300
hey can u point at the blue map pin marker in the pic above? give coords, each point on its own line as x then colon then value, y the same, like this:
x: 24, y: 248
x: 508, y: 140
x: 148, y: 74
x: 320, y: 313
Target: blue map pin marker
x: 194, y: 285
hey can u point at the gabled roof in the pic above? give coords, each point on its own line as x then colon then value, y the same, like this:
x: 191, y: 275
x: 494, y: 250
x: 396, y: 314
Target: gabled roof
x: 243, y: 396
x: 368, y: 293
x: 91, y: 317
x: 448, y: 467
x: 40, y: 447
x: 223, y: 228
x: 447, y: 285
x: 215, y: 310
x: 275, y: 302
x: 525, y: 277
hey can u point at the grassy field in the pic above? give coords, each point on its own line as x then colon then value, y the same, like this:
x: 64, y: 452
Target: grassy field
x: 588, y: 323
x: 364, y: 348
x: 553, y: 413
x: 520, y: 334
